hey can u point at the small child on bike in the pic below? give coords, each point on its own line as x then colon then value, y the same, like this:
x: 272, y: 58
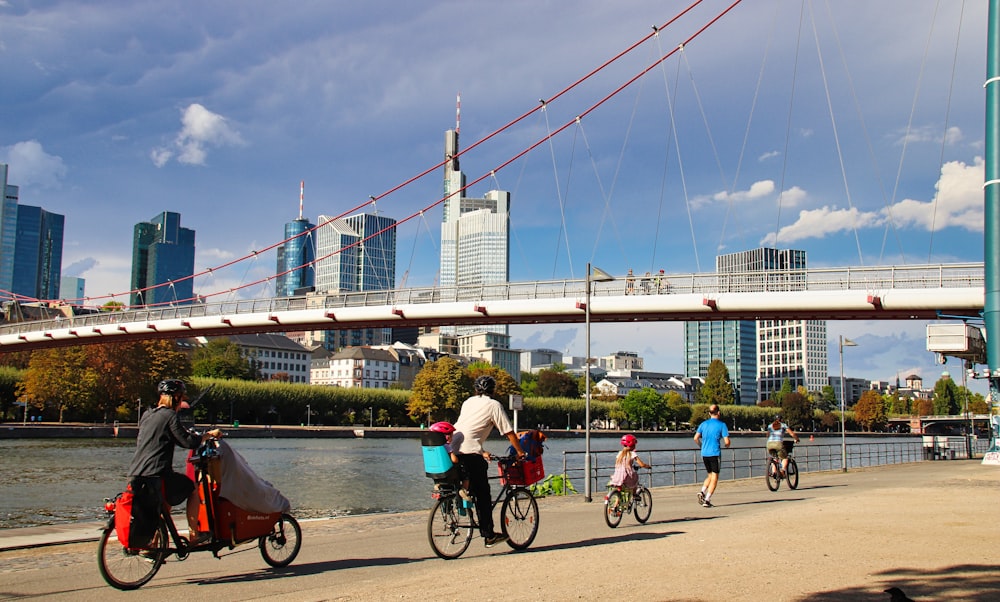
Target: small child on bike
x: 776, y: 441
x: 453, y: 441
x: 625, y: 475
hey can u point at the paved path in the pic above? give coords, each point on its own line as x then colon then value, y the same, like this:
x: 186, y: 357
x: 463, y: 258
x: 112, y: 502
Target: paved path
x: 929, y: 528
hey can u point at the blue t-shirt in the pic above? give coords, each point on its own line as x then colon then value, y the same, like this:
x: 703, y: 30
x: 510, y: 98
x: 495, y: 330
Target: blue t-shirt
x: 712, y: 432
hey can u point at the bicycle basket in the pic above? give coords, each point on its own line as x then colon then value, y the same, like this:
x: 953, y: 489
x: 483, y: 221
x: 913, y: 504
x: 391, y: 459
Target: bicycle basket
x: 526, y: 472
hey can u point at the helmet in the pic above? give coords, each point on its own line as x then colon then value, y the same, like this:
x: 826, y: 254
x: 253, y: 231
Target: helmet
x: 777, y: 418
x: 443, y: 427
x: 629, y: 440
x: 485, y: 384
x: 171, y: 386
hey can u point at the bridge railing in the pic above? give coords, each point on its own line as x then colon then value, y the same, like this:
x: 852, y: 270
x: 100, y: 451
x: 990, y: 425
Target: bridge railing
x: 873, y: 279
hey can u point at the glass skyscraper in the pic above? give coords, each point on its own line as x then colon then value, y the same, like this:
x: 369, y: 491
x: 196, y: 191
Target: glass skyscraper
x: 162, y: 254
x: 356, y: 253
x: 38, y: 253
x: 8, y: 231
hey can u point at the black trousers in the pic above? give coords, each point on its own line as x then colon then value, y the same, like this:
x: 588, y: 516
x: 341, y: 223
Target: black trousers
x: 477, y: 469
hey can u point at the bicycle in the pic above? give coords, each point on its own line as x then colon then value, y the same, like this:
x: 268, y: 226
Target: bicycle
x: 452, y: 521
x: 277, y: 534
x: 618, y: 502
x: 773, y: 474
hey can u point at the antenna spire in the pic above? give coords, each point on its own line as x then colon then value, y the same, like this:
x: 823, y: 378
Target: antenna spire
x: 302, y: 196
x: 458, y: 113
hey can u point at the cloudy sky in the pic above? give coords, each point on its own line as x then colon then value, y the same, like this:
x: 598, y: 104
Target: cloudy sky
x: 851, y: 129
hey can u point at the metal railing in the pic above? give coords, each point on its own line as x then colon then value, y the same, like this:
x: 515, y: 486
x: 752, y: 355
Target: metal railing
x: 872, y: 279
x: 672, y: 467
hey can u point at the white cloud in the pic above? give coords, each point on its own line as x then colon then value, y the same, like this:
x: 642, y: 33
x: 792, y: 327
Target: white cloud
x: 927, y: 133
x: 769, y: 155
x: 817, y: 223
x: 756, y: 191
x: 31, y: 165
x: 200, y: 129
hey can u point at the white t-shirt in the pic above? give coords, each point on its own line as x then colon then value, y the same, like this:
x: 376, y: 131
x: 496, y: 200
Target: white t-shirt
x: 476, y: 421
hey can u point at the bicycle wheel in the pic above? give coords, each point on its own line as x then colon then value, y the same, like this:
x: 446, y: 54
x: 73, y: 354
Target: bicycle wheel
x: 448, y: 531
x: 773, y: 475
x: 793, y: 474
x: 643, y: 504
x: 280, y: 547
x: 127, y: 568
x: 613, y: 509
x: 519, y: 518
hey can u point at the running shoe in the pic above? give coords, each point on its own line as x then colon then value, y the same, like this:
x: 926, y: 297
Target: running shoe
x: 701, y: 497
x: 494, y: 539
x: 707, y: 504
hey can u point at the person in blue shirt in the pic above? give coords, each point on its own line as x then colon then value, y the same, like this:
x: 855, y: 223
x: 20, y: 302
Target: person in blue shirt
x: 776, y: 441
x: 710, y: 435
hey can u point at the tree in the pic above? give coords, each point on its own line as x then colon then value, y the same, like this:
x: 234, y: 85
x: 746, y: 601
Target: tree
x: 922, y: 407
x: 528, y: 383
x: 786, y: 388
x: 59, y: 378
x: 220, y: 358
x: 796, y: 411
x: 553, y: 383
x: 717, y: 388
x: 643, y: 407
x: 678, y: 409
x: 439, y: 388
x: 869, y: 412
x: 827, y: 401
x: 506, y: 385
x: 946, y: 397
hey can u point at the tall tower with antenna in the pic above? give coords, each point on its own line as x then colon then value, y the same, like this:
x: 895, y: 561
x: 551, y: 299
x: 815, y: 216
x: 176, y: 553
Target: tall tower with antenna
x: 296, y: 273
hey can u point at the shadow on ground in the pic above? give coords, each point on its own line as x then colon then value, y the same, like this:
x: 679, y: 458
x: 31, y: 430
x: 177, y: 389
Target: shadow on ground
x: 972, y: 582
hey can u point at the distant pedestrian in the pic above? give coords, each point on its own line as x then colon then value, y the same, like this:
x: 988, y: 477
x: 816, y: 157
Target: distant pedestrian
x: 646, y: 280
x: 629, y: 282
x: 711, y: 433
x: 661, y: 282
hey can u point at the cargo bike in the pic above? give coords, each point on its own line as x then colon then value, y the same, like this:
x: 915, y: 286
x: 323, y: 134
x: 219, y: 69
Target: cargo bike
x: 128, y: 565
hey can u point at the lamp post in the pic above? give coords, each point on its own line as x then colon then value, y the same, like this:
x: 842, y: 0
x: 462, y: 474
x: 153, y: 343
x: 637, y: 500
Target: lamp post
x: 593, y: 275
x: 843, y: 404
x: 308, y: 415
x: 371, y: 418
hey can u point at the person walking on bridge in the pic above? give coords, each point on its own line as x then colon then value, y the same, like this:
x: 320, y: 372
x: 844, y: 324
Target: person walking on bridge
x: 710, y: 435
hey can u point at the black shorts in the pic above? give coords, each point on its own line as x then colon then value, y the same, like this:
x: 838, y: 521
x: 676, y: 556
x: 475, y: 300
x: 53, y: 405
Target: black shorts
x: 712, y: 464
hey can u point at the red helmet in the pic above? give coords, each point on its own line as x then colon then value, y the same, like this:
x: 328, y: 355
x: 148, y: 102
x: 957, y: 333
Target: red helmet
x: 629, y: 440
x: 443, y: 427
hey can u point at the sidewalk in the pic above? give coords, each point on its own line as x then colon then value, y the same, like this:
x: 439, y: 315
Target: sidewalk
x: 49, y: 535
x: 929, y: 528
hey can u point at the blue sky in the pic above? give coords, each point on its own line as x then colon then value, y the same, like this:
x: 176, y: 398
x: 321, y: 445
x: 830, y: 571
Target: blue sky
x: 851, y: 129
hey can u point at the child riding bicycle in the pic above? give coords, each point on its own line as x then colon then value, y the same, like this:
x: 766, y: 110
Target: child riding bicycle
x: 625, y: 475
x: 776, y: 441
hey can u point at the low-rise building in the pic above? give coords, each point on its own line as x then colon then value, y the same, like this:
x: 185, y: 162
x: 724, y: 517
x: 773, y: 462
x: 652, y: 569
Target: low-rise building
x: 357, y: 367
x: 275, y: 356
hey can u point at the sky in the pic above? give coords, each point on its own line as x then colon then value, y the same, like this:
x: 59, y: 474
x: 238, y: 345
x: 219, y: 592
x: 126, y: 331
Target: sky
x: 850, y: 129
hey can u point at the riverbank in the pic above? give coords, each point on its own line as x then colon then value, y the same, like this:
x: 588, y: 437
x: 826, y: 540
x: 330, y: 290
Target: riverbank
x: 927, y: 528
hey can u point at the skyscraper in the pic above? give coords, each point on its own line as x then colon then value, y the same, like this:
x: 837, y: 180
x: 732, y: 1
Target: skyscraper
x: 732, y: 341
x: 37, y: 253
x: 475, y: 236
x: 356, y: 253
x: 793, y: 350
x: 295, y: 270
x: 162, y: 253
x: 72, y: 287
x: 8, y: 231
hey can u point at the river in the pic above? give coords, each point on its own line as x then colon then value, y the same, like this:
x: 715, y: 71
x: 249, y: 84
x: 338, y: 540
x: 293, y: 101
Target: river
x: 51, y: 481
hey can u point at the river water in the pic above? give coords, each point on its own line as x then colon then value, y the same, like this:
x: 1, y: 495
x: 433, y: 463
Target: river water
x: 50, y: 481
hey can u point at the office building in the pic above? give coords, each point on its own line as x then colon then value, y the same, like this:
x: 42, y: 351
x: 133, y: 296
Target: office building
x: 8, y: 230
x: 72, y: 288
x: 792, y: 350
x: 37, y: 253
x: 162, y: 254
x: 475, y: 238
x: 295, y: 271
x: 356, y: 254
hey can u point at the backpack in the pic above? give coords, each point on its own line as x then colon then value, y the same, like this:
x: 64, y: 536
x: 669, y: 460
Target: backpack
x: 137, y: 512
x: 532, y: 442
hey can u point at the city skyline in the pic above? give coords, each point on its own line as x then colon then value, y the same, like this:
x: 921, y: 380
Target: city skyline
x: 199, y: 118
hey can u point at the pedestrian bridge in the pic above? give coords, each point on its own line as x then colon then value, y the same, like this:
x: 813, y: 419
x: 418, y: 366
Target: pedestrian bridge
x: 851, y: 293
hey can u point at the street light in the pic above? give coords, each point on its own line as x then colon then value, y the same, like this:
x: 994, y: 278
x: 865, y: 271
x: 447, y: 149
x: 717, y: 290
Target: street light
x: 308, y: 415
x: 843, y: 400
x: 593, y: 275
x: 371, y: 418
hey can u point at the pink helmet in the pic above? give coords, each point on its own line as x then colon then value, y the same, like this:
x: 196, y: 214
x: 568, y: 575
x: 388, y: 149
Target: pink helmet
x: 443, y: 427
x: 629, y: 440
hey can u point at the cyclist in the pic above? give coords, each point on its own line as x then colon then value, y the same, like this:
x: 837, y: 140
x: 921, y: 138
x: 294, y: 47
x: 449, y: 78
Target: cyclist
x: 160, y: 430
x: 776, y: 441
x: 625, y: 475
x: 479, y: 414
x: 453, y: 441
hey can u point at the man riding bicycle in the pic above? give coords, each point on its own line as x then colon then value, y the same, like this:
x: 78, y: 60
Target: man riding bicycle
x: 776, y: 441
x: 479, y: 414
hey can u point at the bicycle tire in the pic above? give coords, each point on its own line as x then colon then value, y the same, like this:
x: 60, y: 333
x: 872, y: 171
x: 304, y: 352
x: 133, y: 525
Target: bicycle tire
x: 280, y: 547
x: 643, y: 504
x: 519, y: 518
x: 448, y: 532
x: 127, y: 568
x: 793, y: 474
x: 773, y: 476
x: 613, y: 509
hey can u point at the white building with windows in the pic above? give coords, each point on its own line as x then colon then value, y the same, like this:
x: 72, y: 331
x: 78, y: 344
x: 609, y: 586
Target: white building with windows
x: 357, y: 367
x: 275, y: 356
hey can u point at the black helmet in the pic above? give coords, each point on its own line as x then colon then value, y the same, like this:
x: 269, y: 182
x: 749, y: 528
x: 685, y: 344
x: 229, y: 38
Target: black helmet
x: 777, y: 418
x: 171, y: 387
x: 485, y: 385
